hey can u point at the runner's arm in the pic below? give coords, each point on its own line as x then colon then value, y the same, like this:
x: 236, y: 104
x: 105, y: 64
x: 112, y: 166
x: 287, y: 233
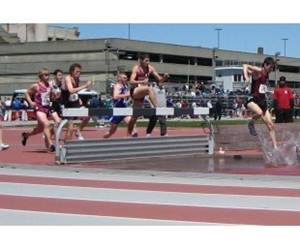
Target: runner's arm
x: 159, y: 79
x: 29, y: 93
x: 73, y: 90
x: 248, y: 70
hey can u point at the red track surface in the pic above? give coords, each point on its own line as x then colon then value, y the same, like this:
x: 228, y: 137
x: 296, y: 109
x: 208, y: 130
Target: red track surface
x: 230, y: 215
x: 36, y: 154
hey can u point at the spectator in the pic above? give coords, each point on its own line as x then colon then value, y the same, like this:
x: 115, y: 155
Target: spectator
x: 218, y: 110
x: 240, y: 105
x: 24, y: 107
x: 3, y: 146
x: 297, y: 106
x: 283, y: 102
x: 7, y: 107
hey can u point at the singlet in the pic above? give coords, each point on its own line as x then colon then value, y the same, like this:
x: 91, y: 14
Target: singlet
x: 259, y: 87
x: 141, y: 74
x: 121, y: 102
x: 42, y: 97
x: 70, y: 100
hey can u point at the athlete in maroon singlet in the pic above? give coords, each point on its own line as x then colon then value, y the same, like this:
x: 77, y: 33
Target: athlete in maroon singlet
x: 70, y: 98
x: 257, y: 102
x: 38, y: 96
x: 140, y: 88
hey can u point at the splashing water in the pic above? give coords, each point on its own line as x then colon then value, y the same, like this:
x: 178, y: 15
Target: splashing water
x: 288, y: 151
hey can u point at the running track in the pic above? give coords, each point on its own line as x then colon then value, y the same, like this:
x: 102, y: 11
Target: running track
x: 64, y: 198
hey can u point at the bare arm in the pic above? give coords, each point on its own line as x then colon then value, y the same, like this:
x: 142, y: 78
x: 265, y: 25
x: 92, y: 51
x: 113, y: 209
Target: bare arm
x: 159, y: 79
x: 249, y: 70
x: 116, y: 93
x: 73, y: 90
x: 30, y: 92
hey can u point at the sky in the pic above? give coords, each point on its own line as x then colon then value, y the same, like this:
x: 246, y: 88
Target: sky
x: 240, y: 37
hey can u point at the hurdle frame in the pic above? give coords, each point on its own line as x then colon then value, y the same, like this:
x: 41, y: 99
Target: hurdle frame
x: 60, y: 150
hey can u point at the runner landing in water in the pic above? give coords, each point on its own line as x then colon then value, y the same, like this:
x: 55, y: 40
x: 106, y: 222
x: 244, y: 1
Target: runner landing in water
x: 257, y: 102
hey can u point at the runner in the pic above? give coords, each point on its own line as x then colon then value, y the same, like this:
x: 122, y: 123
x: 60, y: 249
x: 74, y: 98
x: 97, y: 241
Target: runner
x: 70, y: 98
x: 120, y: 96
x: 57, y: 83
x: 39, y: 97
x: 257, y: 102
x: 139, y: 80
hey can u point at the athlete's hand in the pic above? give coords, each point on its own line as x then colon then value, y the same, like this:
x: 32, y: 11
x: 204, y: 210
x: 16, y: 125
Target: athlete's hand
x: 145, y: 81
x: 33, y: 105
x: 166, y: 76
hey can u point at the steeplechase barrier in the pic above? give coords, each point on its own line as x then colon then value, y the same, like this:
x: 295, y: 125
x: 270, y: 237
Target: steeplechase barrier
x: 73, y: 151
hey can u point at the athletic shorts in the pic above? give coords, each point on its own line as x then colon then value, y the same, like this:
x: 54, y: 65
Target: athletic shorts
x: 117, y: 119
x: 262, y: 103
x: 56, y: 108
x: 46, y: 110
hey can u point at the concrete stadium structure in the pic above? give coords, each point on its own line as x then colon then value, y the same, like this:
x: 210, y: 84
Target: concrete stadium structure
x: 103, y: 58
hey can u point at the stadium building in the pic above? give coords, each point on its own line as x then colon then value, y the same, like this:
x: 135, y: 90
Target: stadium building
x: 103, y: 58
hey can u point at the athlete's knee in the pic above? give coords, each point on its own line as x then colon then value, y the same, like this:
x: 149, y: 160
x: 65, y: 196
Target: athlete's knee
x: 47, y: 125
x: 260, y: 113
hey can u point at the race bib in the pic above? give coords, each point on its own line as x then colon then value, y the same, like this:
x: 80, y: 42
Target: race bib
x: 73, y: 97
x: 262, y: 89
x: 45, y: 98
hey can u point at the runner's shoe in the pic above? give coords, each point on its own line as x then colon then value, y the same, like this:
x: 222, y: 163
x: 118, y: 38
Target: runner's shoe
x: 251, y: 128
x: 3, y: 146
x: 24, y: 138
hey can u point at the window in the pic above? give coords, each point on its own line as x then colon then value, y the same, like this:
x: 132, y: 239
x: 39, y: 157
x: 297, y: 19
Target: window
x: 237, y: 78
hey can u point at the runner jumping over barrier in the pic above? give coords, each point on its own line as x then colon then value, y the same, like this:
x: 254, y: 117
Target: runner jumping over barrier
x: 139, y: 80
x: 257, y: 102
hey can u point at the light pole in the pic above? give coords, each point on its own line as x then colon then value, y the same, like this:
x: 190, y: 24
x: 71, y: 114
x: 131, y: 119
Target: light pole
x: 284, y: 45
x: 129, y: 31
x: 276, y: 60
x: 214, y: 57
x: 218, y: 34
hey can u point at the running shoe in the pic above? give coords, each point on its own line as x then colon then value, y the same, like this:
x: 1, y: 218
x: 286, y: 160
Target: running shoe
x: 3, y: 146
x: 52, y: 148
x: 251, y: 128
x: 24, y: 138
x: 135, y: 135
x: 79, y: 136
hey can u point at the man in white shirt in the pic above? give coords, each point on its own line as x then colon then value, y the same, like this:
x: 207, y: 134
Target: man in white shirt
x: 162, y: 102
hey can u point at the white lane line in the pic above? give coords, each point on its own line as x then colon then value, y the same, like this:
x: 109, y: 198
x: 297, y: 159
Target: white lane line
x: 18, y: 217
x: 152, y: 197
x: 196, y: 178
